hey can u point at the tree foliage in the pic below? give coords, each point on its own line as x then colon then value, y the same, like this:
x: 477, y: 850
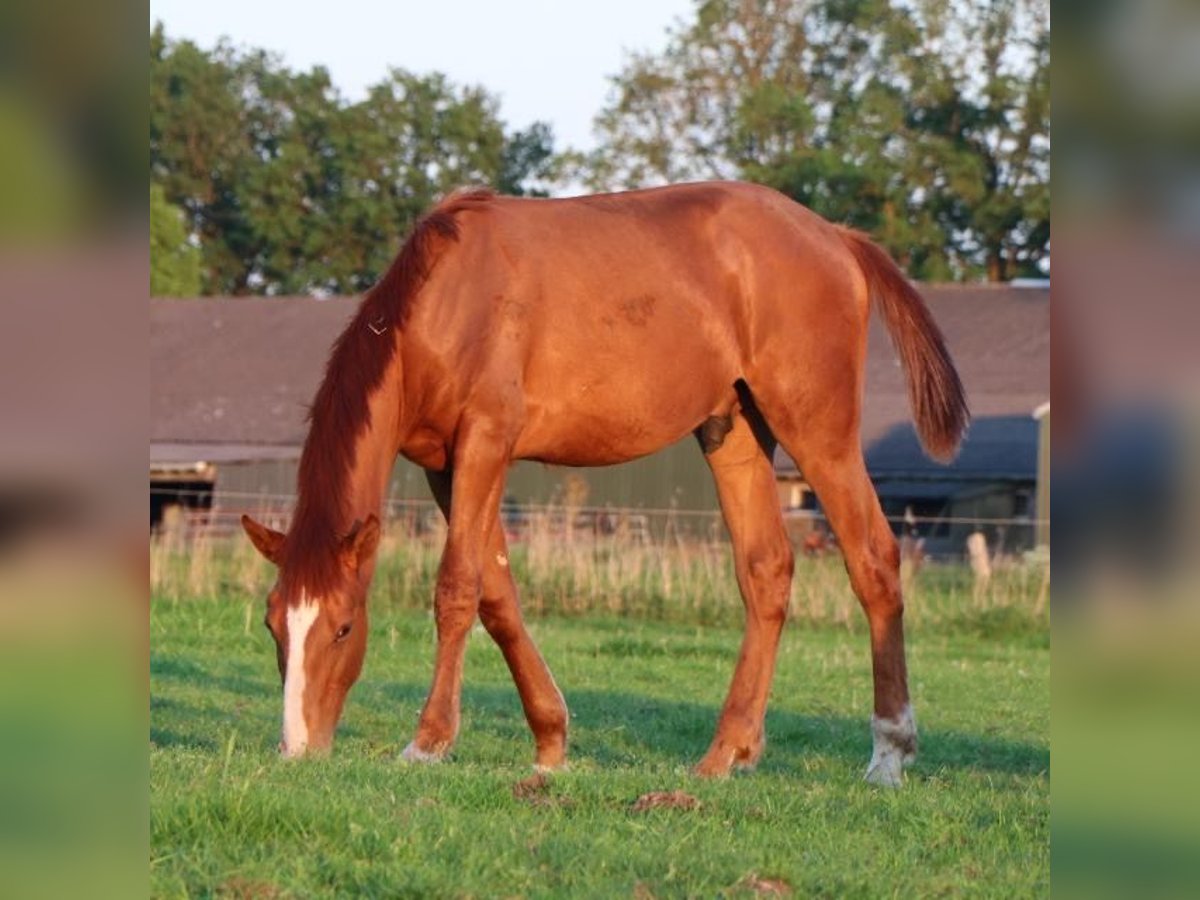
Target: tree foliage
x: 924, y: 122
x: 290, y: 188
x: 174, y: 262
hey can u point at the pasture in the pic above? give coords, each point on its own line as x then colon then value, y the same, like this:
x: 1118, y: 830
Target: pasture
x: 642, y: 641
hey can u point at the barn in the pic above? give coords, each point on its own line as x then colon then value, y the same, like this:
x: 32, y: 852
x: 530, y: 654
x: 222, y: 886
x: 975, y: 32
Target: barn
x: 999, y: 336
x: 231, y: 379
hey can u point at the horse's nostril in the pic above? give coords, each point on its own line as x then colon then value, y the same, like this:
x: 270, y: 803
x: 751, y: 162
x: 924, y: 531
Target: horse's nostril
x: 292, y: 752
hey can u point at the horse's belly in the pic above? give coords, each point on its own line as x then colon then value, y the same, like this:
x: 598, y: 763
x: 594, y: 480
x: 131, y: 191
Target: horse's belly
x: 613, y: 421
x: 587, y: 441
x: 626, y: 373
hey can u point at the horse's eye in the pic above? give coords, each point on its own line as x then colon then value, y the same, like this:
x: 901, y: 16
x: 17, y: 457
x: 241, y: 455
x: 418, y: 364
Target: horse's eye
x: 342, y: 632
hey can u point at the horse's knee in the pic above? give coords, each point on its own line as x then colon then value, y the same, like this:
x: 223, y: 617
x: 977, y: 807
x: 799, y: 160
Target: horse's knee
x: 769, y: 559
x: 456, y: 598
x: 770, y: 566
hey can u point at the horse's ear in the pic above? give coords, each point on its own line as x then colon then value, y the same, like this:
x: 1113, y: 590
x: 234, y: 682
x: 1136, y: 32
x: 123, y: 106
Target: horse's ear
x: 359, y: 545
x: 268, y: 541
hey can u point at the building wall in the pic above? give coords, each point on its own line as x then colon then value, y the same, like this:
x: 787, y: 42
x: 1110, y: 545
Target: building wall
x: 1004, y: 508
x: 1043, y: 483
x: 238, y: 482
x: 676, y: 477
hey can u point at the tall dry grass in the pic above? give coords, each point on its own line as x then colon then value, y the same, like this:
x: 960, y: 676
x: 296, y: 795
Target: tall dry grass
x: 563, y: 571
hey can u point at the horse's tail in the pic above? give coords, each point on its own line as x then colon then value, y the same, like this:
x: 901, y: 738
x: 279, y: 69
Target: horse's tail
x: 939, y: 404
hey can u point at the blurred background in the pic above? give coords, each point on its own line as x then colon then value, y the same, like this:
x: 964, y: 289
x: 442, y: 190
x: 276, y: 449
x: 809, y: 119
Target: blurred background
x: 1126, y: 372
x: 73, y: 401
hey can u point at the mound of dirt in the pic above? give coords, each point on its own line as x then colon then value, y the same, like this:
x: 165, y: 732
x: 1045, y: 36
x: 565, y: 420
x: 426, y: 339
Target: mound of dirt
x: 665, y: 800
x: 535, y: 790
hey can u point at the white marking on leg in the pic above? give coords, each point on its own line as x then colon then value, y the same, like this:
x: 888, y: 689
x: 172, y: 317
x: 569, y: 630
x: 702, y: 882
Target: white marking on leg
x: 300, y: 620
x: 895, y: 744
x: 502, y: 559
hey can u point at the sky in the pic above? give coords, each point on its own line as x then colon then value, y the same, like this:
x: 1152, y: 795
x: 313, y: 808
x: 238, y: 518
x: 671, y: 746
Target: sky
x: 545, y: 60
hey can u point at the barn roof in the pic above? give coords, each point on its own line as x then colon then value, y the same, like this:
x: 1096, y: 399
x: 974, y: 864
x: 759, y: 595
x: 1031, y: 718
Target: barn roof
x: 236, y: 374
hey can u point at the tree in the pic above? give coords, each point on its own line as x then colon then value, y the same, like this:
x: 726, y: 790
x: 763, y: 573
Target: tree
x: 411, y: 141
x: 528, y: 163
x: 925, y: 122
x: 979, y: 116
x: 292, y: 189
x: 174, y: 262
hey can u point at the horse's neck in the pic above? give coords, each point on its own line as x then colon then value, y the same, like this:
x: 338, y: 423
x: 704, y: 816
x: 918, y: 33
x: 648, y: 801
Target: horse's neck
x: 345, y: 471
x: 375, y: 454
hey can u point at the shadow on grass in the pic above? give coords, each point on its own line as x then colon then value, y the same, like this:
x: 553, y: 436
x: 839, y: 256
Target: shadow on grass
x: 619, y: 728
x: 171, y: 710
x: 191, y: 706
x: 608, y: 727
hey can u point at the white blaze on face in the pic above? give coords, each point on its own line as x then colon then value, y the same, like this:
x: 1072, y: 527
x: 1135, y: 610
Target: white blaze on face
x: 300, y: 620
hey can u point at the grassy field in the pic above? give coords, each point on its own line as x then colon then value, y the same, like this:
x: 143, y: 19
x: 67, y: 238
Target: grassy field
x: 228, y: 818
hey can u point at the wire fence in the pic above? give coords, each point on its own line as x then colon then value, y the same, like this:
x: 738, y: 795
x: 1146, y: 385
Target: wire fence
x: 195, y: 512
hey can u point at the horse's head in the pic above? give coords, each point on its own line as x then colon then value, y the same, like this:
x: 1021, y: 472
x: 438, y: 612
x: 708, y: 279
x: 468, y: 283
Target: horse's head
x: 320, y: 635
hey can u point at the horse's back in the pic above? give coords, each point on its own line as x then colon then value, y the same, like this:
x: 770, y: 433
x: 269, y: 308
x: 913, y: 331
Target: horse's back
x: 728, y: 254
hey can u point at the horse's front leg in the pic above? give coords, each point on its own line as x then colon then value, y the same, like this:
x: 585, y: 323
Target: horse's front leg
x: 480, y: 462
x: 500, y: 613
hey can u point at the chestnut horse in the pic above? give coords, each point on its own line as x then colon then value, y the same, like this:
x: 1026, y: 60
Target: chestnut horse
x: 586, y: 332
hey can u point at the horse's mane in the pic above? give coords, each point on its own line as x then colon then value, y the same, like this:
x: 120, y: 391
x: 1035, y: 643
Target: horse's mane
x: 340, y: 412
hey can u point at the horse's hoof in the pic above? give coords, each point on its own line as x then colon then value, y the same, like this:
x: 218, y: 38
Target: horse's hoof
x: 747, y: 764
x: 713, y: 766
x: 885, y: 771
x: 724, y: 758
x: 551, y: 758
x: 414, y: 754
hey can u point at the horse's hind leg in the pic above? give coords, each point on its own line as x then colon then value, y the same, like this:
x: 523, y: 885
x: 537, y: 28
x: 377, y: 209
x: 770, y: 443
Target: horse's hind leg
x: 500, y: 613
x: 873, y: 562
x: 745, y: 479
x: 827, y: 448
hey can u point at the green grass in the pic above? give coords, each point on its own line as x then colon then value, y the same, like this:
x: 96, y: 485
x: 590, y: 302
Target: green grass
x: 229, y: 818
